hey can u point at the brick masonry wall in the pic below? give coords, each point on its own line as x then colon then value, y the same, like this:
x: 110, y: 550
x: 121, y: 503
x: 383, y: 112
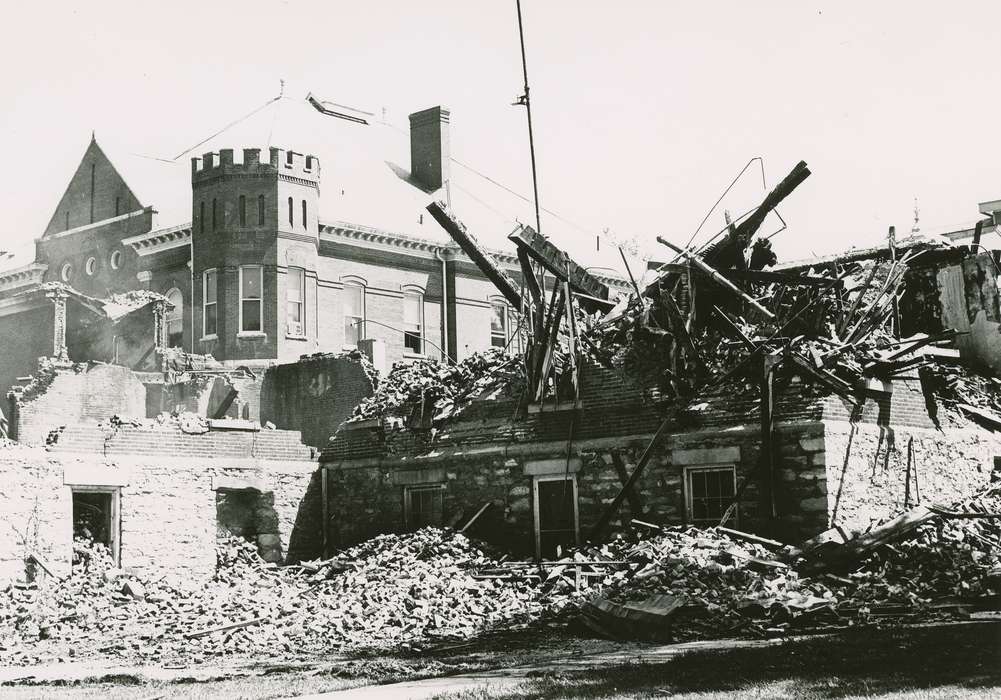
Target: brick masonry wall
x: 167, y: 506
x: 867, y: 468
x: 80, y: 393
x: 314, y: 395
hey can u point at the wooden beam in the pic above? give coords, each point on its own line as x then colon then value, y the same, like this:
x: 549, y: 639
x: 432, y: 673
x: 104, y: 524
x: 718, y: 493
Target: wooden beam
x: 471, y: 247
x: 552, y: 258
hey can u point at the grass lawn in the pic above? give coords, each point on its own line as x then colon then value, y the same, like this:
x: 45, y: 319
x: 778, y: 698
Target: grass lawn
x: 908, y: 664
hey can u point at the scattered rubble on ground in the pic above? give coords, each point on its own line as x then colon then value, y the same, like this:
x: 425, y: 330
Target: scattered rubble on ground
x: 432, y: 585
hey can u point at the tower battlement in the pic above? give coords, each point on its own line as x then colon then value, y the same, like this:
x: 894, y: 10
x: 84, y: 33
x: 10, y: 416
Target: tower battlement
x: 280, y: 161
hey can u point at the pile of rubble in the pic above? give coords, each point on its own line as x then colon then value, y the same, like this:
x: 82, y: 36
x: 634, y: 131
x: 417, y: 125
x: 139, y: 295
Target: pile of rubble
x: 390, y: 591
x: 426, y: 390
x: 717, y: 582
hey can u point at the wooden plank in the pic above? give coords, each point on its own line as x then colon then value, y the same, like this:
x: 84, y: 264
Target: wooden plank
x: 748, y: 537
x: 471, y: 247
x: 552, y: 258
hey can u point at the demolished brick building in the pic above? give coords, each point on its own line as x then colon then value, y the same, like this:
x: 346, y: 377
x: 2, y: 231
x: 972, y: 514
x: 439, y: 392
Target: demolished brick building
x: 161, y: 446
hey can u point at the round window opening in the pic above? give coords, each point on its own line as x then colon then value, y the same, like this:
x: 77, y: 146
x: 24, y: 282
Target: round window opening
x: 116, y: 260
x: 91, y: 265
x: 66, y: 272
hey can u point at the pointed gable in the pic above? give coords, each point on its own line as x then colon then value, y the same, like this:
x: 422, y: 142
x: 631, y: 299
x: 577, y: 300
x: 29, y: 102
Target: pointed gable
x: 97, y: 191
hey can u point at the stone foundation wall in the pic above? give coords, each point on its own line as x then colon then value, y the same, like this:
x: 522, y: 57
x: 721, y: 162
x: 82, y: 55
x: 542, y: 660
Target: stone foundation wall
x: 867, y: 469
x: 366, y: 497
x: 167, y: 506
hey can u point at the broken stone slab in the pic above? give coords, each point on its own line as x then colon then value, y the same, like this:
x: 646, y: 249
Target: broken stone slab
x: 134, y: 589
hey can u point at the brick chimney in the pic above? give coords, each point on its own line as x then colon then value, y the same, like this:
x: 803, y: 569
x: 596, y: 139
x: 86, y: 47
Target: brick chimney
x: 429, y: 147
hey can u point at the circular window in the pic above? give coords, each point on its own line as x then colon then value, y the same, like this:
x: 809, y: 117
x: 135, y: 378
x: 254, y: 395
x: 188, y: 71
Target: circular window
x: 116, y: 260
x: 90, y: 266
x: 66, y: 272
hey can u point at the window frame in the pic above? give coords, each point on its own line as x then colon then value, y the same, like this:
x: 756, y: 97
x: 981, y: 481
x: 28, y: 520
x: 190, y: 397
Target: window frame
x: 66, y: 272
x: 494, y: 304
x: 537, y: 515
x: 259, y: 300
x: 363, y: 319
x: 689, y: 495
x: 301, y: 272
x: 205, y: 304
x: 305, y: 220
x: 408, y: 511
x: 215, y: 210
x: 291, y: 212
x: 90, y: 267
x: 260, y: 209
x: 419, y: 294
x: 242, y: 205
x: 115, y: 514
x: 177, y: 309
x: 116, y: 259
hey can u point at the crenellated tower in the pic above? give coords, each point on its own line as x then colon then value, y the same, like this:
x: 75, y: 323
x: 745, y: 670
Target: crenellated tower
x: 255, y: 235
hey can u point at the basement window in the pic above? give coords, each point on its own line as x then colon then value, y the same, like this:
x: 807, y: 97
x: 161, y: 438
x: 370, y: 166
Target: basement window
x: 708, y: 493
x: 423, y: 506
x: 557, y: 525
x: 96, y: 517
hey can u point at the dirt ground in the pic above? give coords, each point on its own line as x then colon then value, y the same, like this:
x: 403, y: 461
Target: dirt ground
x: 917, y: 663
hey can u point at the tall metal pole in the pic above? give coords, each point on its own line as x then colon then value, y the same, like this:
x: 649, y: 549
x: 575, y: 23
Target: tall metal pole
x: 528, y: 109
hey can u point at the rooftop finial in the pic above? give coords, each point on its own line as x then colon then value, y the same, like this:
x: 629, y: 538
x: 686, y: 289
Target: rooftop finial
x: 916, y: 228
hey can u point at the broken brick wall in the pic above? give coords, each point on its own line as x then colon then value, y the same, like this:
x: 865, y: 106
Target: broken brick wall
x: 27, y: 335
x: 63, y: 395
x: 876, y: 472
x: 314, y: 395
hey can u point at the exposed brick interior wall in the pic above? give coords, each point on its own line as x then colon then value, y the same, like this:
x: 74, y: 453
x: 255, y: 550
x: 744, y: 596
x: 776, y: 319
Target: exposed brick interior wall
x: 88, y: 393
x: 314, y: 395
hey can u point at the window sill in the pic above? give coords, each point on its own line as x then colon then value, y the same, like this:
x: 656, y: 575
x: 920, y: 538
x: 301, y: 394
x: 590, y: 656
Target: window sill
x: 290, y: 336
x: 209, y: 337
x: 414, y: 356
x: 252, y: 335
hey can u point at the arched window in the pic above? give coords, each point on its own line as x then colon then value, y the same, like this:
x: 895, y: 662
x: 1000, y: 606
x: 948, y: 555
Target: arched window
x: 251, y: 295
x: 214, y: 219
x: 260, y: 210
x: 413, y: 322
x: 175, y: 318
x: 354, y: 313
x: 291, y: 214
x: 498, y: 324
x: 304, y: 213
x: 243, y: 210
x: 201, y: 217
x: 209, y: 319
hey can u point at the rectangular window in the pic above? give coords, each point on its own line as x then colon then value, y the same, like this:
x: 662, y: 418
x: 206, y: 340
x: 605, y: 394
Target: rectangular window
x: 556, y: 520
x: 260, y: 210
x: 413, y: 322
x: 423, y: 506
x: 251, y: 283
x: 498, y: 325
x: 354, y: 314
x: 209, y: 325
x: 708, y: 493
x: 243, y: 210
x: 295, y: 294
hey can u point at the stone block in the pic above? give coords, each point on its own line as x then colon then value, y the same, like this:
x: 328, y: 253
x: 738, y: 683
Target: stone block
x: 709, y: 455
x: 815, y: 444
x: 548, y: 467
x: 518, y: 491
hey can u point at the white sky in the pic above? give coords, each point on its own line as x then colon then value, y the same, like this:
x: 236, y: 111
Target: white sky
x: 644, y: 111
